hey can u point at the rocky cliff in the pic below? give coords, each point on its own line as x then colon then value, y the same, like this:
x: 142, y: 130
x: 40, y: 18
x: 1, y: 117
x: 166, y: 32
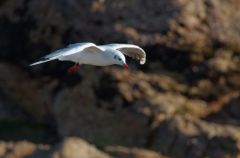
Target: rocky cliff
x: 184, y: 102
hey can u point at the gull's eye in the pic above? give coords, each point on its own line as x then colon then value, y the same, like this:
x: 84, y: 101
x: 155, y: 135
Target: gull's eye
x: 119, y: 59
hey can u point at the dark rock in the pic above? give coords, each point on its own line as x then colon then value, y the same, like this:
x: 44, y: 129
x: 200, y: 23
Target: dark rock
x: 199, y: 26
x: 228, y: 112
x: 77, y: 114
x: 123, y: 152
x: 193, y: 44
x: 32, y: 96
x: 190, y: 137
x: 68, y: 148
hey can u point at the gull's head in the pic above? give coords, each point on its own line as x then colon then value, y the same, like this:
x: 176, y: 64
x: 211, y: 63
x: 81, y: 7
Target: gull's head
x: 119, y: 59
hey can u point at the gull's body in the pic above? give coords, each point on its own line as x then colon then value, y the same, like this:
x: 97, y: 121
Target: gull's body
x: 91, y: 54
x: 92, y: 58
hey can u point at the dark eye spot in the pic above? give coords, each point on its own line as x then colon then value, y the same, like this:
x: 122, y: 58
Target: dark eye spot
x: 114, y: 57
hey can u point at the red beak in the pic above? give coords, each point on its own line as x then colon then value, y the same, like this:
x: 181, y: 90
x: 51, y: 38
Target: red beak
x: 125, y: 65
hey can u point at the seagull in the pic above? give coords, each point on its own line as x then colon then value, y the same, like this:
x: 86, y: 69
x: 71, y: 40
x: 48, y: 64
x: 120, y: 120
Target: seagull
x: 91, y: 54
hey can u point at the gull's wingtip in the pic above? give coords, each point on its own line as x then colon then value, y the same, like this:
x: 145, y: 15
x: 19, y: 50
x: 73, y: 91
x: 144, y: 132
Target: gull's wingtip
x: 143, y: 61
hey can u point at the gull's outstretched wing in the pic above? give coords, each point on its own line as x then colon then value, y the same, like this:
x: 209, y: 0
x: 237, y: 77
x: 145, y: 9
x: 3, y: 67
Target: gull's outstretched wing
x: 69, y: 50
x: 130, y: 50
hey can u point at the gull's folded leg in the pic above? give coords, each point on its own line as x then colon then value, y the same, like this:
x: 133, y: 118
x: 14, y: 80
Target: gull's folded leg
x: 73, y: 69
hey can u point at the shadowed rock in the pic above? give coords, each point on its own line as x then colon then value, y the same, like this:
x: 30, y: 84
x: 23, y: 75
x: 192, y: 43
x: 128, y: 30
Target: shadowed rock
x: 189, y: 137
x: 123, y: 152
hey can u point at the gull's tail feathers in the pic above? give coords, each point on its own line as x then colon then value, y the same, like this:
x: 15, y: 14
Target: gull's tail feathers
x: 42, y: 60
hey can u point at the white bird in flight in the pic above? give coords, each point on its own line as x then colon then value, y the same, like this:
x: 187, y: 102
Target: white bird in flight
x: 89, y: 53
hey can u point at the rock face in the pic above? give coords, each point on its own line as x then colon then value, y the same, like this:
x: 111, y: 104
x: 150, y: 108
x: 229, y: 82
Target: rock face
x: 123, y: 152
x: 24, y: 92
x: 199, y: 26
x: 69, y: 148
x: 20, y: 149
x: 95, y: 123
x: 188, y: 137
x: 75, y: 148
x: 183, y: 103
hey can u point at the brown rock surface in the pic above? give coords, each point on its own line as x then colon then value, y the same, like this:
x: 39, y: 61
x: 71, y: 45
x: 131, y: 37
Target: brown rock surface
x: 198, y: 26
x: 182, y: 103
x: 190, y: 137
x: 77, y: 115
x: 85, y: 111
x: 20, y: 149
x: 68, y: 148
x: 225, y: 110
x: 123, y: 152
x: 33, y: 96
x: 152, y: 94
x: 77, y: 148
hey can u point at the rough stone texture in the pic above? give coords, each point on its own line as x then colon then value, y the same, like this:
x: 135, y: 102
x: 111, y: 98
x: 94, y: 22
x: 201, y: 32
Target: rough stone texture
x: 205, y: 24
x: 68, y: 148
x: 22, y: 149
x: 190, y: 137
x: 192, y: 70
x: 226, y: 110
x: 199, y: 26
x: 152, y: 94
x: 33, y: 96
x: 77, y: 115
x: 123, y: 152
x: 8, y: 109
x: 76, y: 148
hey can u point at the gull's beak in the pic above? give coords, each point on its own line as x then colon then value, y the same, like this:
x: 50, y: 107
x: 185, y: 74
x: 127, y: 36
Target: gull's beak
x: 125, y: 65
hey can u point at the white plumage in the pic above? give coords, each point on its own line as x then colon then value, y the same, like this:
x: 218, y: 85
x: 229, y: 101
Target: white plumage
x: 103, y: 55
